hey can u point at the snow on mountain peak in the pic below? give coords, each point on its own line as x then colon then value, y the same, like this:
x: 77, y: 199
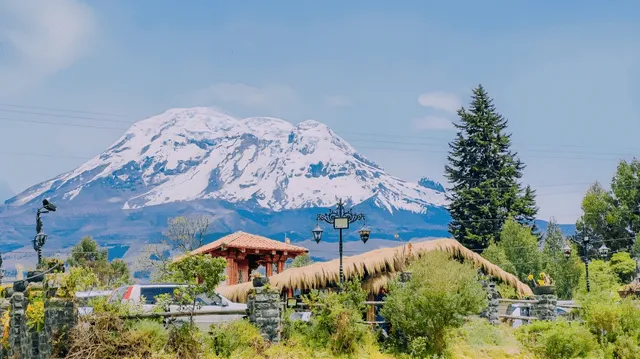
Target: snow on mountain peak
x: 200, y: 153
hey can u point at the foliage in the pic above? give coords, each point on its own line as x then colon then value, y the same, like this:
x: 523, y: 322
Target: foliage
x: 6, y: 327
x: 521, y: 248
x: 517, y: 252
x: 187, y: 233
x: 184, y: 234
x: 87, y: 254
x: 438, y: 296
x: 477, y: 339
x: 601, y: 278
x: 496, y: 255
x: 77, y: 279
x: 484, y: 175
x: 35, y: 313
x: 623, y: 266
x: 542, y: 280
x: 109, y: 336
x: 234, y: 337
x: 200, y: 273
x: 337, y: 317
x: 185, y: 341
x: 50, y: 263
x: 302, y: 260
x: 610, y: 318
x: 558, y: 339
x: 615, y: 214
x: 566, y: 272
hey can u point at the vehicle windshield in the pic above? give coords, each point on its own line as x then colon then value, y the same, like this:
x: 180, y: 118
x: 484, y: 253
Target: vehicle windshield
x: 209, y: 300
x: 150, y: 294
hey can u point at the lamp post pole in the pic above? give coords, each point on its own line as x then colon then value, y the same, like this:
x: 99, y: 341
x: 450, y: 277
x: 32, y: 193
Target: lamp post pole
x: 41, y: 238
x: 585, y: 243
x: 340, y: 219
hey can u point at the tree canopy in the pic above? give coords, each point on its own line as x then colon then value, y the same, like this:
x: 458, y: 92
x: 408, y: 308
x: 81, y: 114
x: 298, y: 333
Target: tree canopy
x: 484, y: 176
x: 613, y: 216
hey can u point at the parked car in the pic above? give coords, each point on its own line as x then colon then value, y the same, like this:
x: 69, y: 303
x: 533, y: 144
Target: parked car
x: 84, y: 300
x: 145, y: 295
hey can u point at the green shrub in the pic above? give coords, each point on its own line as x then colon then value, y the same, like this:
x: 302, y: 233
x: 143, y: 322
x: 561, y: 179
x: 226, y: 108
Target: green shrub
x: 439, y: 295
x: 558, y: 339
x: 623, y: 266
x: 228, y: 338
x: 185, y: 341
x: 336, y: 322
x: 609, y: 317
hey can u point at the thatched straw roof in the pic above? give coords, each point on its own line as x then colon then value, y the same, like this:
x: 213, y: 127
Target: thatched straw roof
x: 380, y: 265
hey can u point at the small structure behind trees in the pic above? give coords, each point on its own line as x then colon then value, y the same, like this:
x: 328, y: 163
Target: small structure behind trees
x: 245, y: 252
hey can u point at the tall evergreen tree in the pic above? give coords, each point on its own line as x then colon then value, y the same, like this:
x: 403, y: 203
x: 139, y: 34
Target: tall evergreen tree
x: 484, y: 175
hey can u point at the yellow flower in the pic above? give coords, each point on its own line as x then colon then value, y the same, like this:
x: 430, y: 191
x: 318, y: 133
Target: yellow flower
x: 530, y: 277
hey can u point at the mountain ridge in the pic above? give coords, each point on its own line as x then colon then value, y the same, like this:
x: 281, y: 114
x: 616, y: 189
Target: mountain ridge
x: 259, y: 174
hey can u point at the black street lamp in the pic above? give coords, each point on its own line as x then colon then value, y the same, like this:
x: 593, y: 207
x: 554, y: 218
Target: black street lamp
x: 340, y: 219
x: 585, y: 243
x: 41, y: 238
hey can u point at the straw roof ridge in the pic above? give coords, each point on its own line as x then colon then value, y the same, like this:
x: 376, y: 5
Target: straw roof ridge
x: 379, y: 266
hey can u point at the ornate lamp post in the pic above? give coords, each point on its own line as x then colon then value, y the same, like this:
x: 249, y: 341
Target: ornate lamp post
x: 340, y: 219
x: 41, y: 238
x: 585, y: 243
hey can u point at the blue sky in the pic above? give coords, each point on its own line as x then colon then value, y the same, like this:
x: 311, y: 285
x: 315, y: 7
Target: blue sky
x: 384, y: 75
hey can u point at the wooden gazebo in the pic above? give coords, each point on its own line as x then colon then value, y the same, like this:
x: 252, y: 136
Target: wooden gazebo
x: 245, y: 252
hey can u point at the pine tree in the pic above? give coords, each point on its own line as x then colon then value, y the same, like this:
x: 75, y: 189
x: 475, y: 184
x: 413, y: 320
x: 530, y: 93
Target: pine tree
x: 484, y: 175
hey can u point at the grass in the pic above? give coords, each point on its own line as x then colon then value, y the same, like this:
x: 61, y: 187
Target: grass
x: 477, y: 339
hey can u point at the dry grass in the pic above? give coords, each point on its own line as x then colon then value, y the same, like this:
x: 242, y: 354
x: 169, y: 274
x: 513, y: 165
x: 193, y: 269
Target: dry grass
x: 379, y: 266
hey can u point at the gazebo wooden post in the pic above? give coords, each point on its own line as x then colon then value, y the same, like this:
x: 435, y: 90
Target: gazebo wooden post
x: 269, y: 267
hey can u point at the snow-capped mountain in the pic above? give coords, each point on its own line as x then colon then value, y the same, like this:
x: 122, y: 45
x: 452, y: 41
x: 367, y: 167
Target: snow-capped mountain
x: 257, y: 174
x: 199, y: 153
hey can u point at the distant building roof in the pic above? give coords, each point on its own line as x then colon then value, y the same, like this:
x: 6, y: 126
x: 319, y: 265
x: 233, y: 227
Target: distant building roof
x: 243, y: 240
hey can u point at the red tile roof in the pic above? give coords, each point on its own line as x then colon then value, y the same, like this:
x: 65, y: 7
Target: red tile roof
x: 243, y: 240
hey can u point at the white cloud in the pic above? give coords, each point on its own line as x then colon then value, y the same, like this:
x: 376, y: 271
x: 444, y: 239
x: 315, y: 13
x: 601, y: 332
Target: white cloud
x: 269, y: 97
x: 440, y: 101
x: 338, y: 101
x: 38, y: 38
x: 432, y: 123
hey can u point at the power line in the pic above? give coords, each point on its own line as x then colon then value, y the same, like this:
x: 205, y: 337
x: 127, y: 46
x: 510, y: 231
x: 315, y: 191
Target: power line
x: 60, y: 124
x: 345, y: 132
x: 62, y: 110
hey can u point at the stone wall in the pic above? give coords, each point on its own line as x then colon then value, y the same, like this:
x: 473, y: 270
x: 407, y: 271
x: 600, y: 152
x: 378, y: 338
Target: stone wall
x: 545, y: 308
x: 19, y: 336
x: 265, y: 311
x: 491, y: 312
x: 59, y: 318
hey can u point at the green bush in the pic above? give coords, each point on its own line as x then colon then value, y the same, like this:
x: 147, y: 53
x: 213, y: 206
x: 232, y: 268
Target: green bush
x: 439, y: 295
x: 336, y: 322
x: 609, y: 317
x: 601, y: 278
x: 558, y: 339
x: 623, y: 266
x: 185, y: 341
x: 228, y: 338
